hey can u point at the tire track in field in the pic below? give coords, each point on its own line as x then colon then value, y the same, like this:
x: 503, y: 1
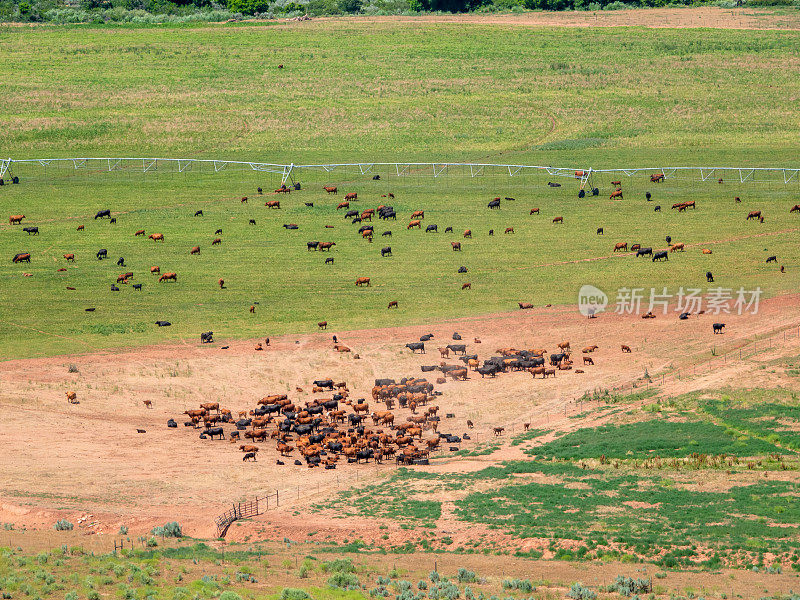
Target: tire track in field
x: 697, y: 244
x: 63, y: 337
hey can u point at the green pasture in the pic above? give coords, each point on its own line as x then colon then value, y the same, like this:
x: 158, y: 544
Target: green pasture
x: 268, y: 266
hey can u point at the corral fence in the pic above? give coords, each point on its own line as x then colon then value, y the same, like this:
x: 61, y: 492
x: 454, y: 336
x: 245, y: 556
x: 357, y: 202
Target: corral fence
x: 290, y: 173
x: 243, y: 510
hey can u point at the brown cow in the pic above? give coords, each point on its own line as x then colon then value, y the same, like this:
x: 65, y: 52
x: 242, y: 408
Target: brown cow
x: 195, y: 250
x: 248, y: 448
x: 619, y: 246
x: 534, y: 211
x: 445, y: 352
x: 140, y: 232
x: 498, y: 430
x: 15, y: 219
x: 273, y: 204
x: 209, y: 406
x: 587, y: 360
x: 615, y: 194
x: 155, y: 270
x: 216, y: 241
x: 326, y: 246
x: 168, y: 277
x: 626, y: 348
x: 156, y: 237
x: 362, y: 281
x: 657, y: 177
x: 72, y: 397
x: 322, y: 324
x: 564, y: 345
x: 343, y: 205
x: 548, y: 372
x: 22, y: 257
x: 341, y: 348
x: 330, y: 189
x: 244, y: 199
x: 367, y: 215
x: 70, y: 257
x: 706, y: 251
x: 147, y: 403
x: 418, y: 214
x: 509, y: 230
x: 416, y: 223
x: 392, y: 304
x: 456, y: 246
x: 221, y: 283
x: 80, y: 228
x: 616, y: 183
x: 558, y: 219
x: 468, y: 233
x: 466, y: 286
x: 524, y: 305
x: 675, y: 247
x: 753, y: 214
x: 351, y: 196
x: 795, y: 208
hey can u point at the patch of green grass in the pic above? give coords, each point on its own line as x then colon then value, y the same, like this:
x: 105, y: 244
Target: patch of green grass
x: 531, y: 434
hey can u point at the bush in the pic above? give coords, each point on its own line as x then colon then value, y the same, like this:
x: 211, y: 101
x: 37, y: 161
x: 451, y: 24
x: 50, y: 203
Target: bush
x: 172, y: 529
x: 339, y: 565
x: 294, y: 594
x: 579, y: 592
x: 628, y: 586
x: 123, y: 530
x: 422, y: 585
x: 63, y: 525
x: 344, y: 581
x: 465, y: 576
x: 434, y: 577
x: 73, y: 595
x: 228, y: 595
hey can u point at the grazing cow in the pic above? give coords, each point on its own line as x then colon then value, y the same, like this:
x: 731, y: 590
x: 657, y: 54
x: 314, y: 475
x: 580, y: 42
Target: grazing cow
x: 558, y: 219
x: 494, y: 203
x: 322, y: 324
x: 509, y: 230
x: 120, y: 262
x: 198, y: 213
x: 677, y: 247
x: 155, y: 270
x: 311, y: 246
x: 326, y: 246
x: 156, y: 237
x: 330, y: 189
x: 616, y: 183
x: 69, y: 257
x: 148, y: 403
x: 621, y: 246
x: 362, y: 281
x: 113, y: 220
x: 772, y: 259
x: 216, y: 241
x: 416, y: 223
x: 329, y: 261
x: 292, y: 226
x: 195, y: 250
x: 718, y: 327
x: 414, y: 346
x: 491, y: 232
x: 456, y: 246
x: 753, y: 214
x: 252, y: 221
x: 343, y: 205
x: 625, y: 348
x: 22, y: 257
x: 351, y: 213
x: 17, y: 219
x: 657, y: 178
x: 168, y: 277
x: 525, y: 305
x: 709, y: 277
x: 103, y: 213
x: 707, y: 251
x: 249, y: 455
x: 418, y: 214
x: 72, y: 397
x: 660, y: 255
x: 498, y: 430
x: 448, y: 230
x: 433, y: 228
x: 534, y: 211
x: 599, y: 231
x: 244, y: 198
x: 273, y: 204
x: 587, y: 360
x: 392, y: 304
x: 644, y: 252
x: 102, y: 253
x: 616, y: 194
x: 31, y: 230
x: 795, y: 208
x: 462, y: 269
x: 635, y: 247
x: 80, y: 228
x: 387, y: 251
x: 163, y: 323
x: 466, y: 286
x: 137, y: 286
x: 647, y: 196
x: 468, y: 233
x: 207, y: 337
x: 351, y: 196
x: 387, y: 233
x: 140, y: 232
x: 657, y: 208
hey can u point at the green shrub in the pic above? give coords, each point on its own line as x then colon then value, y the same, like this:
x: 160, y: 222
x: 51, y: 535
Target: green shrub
x: 465, y: 576
x: 339, y: 565
x: 628, y: 586
x: 294, y: 594
x: 579, y: 592
x: 123, y: 530
x: 171, y: 529
x: 228, y: 595
x: 63, y: 525
x: 344, y: 581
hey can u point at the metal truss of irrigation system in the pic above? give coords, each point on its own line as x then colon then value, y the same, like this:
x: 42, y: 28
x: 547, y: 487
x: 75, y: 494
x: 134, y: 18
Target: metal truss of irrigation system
x: 399, y: 169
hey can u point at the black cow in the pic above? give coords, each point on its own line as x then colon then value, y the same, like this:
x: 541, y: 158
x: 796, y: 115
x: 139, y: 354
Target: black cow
x: 644, y: 252
x: 490, y: 369
x: 324, y: 383
x: 376, y: 177
x: 414, y: 346
x: 426, y: 337
x: 556, y: 358
x: 103, y: 213
x: 431, y: 228
x: 599, y: 231
x: 329, y: 261
x: 252, y: 221
x: 207, y: 337
x: 657, y: 208
x: 350, y: 214
x: 683, y: 316
x: 428, y: 368
x: 310, y: 204
x: 364, y: 228
x: 102, y: 253
x: 553, y: 185
x: 448, y: 230
x: 171, y: 423
x: 364, y: 455
x: 356, y: 220
x: 709, y: 277
x: 260, y: 191
x: 468, y: 357
x: 386, y: 233
x: 456, y: 336
x: 163, y: 323
x: 291, y: 226
x: 120, y: 262
x: 354, y: 419
x: 311, y: 246
x: 114, y: 288
x: 218, y: 231
x: 661, y: 255
x: 386, y: 251
x: 249, y: 456
x: 113, y: 220
x: 212, y: 431
x: 386, y: 215
x: 494, y: 204
x: 382, y: 382
x: 668, y: 239
x: 458, y: 348
x: 647, y: 196
x: 718, y: 327
x: 137, y: 286
x: 462, y: 269
x: 199, y: 213
x: 31, y: 230
x: 491, y: 232
x: 769, y: 260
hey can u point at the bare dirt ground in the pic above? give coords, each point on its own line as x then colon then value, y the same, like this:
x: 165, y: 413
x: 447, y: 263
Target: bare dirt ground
x: 75, y: 460
x: 708, y: 16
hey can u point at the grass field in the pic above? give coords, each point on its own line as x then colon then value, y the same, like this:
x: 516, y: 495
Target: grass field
x: 403, y: 92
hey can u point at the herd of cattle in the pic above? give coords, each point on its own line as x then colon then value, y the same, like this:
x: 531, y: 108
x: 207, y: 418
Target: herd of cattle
x: 330, y: 430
